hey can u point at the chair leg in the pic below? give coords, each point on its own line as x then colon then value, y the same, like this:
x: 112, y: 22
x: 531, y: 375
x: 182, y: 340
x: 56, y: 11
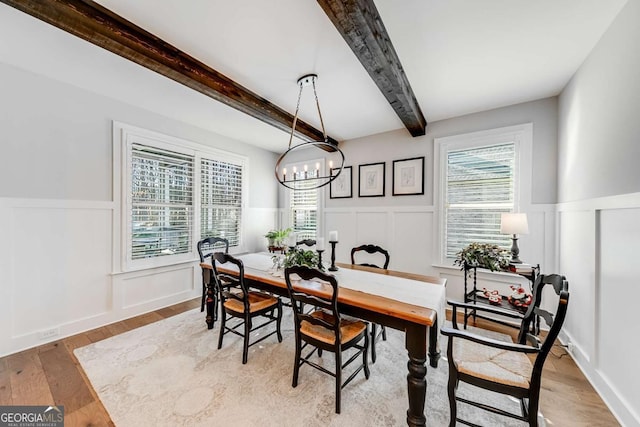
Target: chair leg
x: 245, y: 346
x: 365, y: 356
x: 296, y: 365
x: 384, y: 333
x: 279, y: 321
x: 533, y: 411
x: 204, y: 296
x: 453, y: 404
x: 373, y: 343
x: 223, y: 323
x: 338, y: 379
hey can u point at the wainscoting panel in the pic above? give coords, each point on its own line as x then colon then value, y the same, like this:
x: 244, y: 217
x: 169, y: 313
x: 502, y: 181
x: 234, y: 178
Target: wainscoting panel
x: 617, y: 352
x: 57, y: 268
x: 146, y: 288
x: 412, y: 242
x: 597, y: 243
x: 577, y: 263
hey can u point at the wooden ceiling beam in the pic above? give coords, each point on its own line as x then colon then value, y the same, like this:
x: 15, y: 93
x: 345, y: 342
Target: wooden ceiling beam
x: 362, y: 28
x: 100, y: 26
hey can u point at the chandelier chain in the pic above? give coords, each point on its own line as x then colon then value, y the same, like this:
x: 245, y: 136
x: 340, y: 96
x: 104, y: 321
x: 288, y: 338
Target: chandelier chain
x: 324, y: 132
x: 295, y: 116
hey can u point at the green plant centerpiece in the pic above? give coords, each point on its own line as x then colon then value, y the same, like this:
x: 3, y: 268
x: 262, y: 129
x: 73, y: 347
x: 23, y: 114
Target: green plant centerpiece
x: 298, y: 256
x: 276, y: 237
x: 484, y: 255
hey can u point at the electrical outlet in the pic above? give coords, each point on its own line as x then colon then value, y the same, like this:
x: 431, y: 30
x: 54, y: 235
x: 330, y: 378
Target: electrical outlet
x: 571, y: 347
x: 49, y: 333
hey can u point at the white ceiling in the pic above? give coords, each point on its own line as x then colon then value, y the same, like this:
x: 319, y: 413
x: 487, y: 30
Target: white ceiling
x: 461, y: 56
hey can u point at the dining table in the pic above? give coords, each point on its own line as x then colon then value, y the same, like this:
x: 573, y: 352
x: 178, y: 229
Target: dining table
x: 412, y: 303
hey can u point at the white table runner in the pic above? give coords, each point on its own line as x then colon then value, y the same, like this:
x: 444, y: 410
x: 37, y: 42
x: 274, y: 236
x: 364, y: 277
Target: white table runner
x: 423, y: 294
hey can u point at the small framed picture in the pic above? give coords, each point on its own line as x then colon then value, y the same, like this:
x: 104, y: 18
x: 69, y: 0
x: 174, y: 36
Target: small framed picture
x: 371, y: 178
x: 341, y: 187
x: 408, y: 176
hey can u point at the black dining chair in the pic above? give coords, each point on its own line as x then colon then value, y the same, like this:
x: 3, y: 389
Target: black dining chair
x: 324, y: 328
x: 306, y: 242
x: 237, y: 301
x: 504, y: 367
x: 206, y: 247
x: 373, y: 249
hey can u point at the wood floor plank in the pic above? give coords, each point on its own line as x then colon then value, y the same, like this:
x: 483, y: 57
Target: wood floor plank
x: 67, y: 385
x: 5, y: 384
x: 91, y: 415
x: 29, y: 385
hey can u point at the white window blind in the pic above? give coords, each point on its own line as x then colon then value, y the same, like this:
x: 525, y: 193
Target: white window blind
x: 479, y: 187
x: 304, y: 211
x: 161, y: 207
x: 221, y: 200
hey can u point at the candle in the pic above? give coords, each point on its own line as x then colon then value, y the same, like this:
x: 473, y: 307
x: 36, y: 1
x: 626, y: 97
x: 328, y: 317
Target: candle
x: 320, y: 244
x: 295, y: 173
x: 305, y: 171
x: 333, y: 236
x: 284, y: 174
x: 330, y: 164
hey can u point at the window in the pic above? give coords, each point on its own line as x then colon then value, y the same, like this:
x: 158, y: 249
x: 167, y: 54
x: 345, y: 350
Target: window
x: 221, y: 200
x: 479, y: 178
x: 304, y: 204
x: 161, y: 202
x: 304, y: 212
x: 174, y: 192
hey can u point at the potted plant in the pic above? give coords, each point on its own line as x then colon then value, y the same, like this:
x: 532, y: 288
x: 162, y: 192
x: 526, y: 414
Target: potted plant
x: 276, y: 237
x: 484, y: 255
x: 298, y: 256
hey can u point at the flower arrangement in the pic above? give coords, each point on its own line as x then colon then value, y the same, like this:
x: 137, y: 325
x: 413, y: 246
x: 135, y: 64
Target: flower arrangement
x: 484, y: 255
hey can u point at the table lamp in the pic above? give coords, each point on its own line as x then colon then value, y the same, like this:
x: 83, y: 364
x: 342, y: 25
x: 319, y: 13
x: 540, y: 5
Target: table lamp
x: 514, y: 224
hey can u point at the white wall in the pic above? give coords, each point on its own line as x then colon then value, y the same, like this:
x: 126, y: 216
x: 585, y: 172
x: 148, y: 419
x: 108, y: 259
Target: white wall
x: 598, y: 234
x: 406, y: 225
x: 57, y: 208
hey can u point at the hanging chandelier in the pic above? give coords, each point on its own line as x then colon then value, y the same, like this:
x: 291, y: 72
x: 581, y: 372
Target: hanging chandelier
x: 307, y: 177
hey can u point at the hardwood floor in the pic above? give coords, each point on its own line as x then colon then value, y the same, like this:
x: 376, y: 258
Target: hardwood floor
x: 51, y: 373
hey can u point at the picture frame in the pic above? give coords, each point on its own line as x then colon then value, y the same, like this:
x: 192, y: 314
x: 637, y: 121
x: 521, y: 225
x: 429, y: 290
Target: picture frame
x: 408, y: 176
x: 342, y: 186
x: 371, y: 180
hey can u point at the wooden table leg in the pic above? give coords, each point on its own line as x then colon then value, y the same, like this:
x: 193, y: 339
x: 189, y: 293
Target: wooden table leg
x: 416, y: 343
x: 210, y: 302
x: 434, y: 346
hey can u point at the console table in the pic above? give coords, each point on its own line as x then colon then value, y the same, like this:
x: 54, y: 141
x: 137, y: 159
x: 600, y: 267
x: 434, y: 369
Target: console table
x: 471, y: 296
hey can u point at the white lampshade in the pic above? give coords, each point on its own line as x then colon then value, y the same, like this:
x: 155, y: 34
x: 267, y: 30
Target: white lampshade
x: 514, y: 223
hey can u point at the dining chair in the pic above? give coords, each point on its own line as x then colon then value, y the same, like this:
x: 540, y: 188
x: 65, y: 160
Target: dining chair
x: 237, y: 301
x: 504, y: 367
x: 206, y: 247
x: 306, y: 242
x: 324, y: 328
x: 373, y: 249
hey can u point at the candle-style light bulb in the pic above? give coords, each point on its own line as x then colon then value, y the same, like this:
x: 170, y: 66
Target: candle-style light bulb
x: 330, y: 164
x: 305, y: 171
x: 284, y: 174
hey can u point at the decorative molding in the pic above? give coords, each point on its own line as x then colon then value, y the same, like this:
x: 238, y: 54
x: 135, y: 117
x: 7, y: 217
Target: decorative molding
x: 101, y: 27
x: 361, y: 26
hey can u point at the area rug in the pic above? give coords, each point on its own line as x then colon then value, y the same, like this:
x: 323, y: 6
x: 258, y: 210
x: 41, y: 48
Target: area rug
x: 170, y: 373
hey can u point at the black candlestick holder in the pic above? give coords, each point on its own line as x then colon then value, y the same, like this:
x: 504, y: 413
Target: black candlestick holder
x: 333, y: 257
x: 320, y: 259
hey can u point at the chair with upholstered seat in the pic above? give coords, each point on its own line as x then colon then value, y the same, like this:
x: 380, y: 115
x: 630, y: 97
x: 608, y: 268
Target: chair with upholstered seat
x: 206, y: 247
x: 373, y: 249
x: 236, y: 300
x: 324, y: 328
x: 504, y: 367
